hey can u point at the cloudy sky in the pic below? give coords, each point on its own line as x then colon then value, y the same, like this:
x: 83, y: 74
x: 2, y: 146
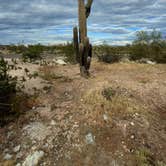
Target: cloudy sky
x: 51, y: 21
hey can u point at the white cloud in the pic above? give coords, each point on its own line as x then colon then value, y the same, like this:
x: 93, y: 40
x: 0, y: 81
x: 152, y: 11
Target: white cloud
x: 51, y: 21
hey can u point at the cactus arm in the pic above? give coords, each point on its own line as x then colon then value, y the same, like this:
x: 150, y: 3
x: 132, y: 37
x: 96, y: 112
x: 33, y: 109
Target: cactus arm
x: 89, y: 57
x: 75, y: 43
x: 86, y: 51
x: 88, y: 7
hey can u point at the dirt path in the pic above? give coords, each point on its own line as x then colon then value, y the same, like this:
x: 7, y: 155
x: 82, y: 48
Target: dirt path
x: 114, y: 118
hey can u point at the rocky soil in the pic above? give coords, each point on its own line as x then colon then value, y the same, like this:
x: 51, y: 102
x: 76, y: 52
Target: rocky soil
x: 117, y: 117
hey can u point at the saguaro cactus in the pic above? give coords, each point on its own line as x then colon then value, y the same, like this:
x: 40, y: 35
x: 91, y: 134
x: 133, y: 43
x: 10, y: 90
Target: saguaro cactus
x: 82, y: 47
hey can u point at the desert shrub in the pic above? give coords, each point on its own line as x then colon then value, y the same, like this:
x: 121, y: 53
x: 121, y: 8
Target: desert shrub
x: 144, y: 157
x: 68, y: 51
x: 157, y: 52
x: 17, y: 48
x: 109, y: 58
x: 154, y: 51
x: 109, y: 93
x: 7, y: 89
x: 139, y: 51
x: 109, y: 54
x: 33, y: 52
x: 149, y: 45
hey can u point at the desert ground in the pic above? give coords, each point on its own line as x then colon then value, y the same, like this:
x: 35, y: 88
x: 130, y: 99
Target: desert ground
x: 117, y: 117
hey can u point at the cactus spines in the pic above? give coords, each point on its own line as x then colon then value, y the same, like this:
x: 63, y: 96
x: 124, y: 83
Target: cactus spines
x: 83, y: 50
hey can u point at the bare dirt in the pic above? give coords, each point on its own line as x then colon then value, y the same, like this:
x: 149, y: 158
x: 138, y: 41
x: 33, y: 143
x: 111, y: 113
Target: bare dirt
x: 76, y: 124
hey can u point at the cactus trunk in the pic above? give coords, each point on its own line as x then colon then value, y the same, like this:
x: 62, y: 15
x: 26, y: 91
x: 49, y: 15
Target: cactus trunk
x: 82, y: 20
x: 82, y: 47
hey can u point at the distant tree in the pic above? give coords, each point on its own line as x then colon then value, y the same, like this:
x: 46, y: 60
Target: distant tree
x: 142, y: 37
x: 145, y: 37
x: 155, y: 36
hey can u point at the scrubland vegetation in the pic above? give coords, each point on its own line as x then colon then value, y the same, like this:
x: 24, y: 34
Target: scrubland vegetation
x: 146, y: 45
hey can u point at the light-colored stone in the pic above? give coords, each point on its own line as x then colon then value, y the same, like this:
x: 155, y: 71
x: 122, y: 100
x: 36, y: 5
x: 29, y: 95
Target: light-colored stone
x: 53, y: 123
x: 90, y: 139
x: 17, y: 149
x: 105, y: 117
x: 61, y: 62
x: 8, y: 156
x: 132, y: 123
x: 18, y: 164
x: 33, y: 159
x: 150, y: 62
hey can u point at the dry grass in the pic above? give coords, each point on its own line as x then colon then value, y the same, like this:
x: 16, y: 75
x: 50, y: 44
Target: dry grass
x: 48, y: 73
x: 119, y: 106
x: 8, y: 163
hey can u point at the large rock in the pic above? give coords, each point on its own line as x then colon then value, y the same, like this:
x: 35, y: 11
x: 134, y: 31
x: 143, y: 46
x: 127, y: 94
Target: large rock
x: 33, y: 159
x: 146, y: 61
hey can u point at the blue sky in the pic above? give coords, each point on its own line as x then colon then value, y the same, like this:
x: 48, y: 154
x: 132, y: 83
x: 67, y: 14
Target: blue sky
x: 51, y: 21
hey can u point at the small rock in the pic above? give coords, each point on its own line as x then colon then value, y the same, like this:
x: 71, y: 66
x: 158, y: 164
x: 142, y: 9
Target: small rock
x: 53, y: 123
x: 8, y: 156
x: 132, y: 137
x: 132, y: 123
x: 17, y: 148
x: 33, y: 159
x: 34, y: 147
x: 89, y: 138
x: 18, y: 164
x: 105, y: 117
x: 136, y: 114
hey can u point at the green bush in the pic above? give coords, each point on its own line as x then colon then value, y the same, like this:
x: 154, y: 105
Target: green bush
x: 17, y: 48
x: 109, y: 54
x: 68, y: 52
x: 139, y: 51
x: 109, y: 58
x: 7, y: 90
x: 33, y: 52
x: 157, y: 52
x: 154, y: 51
x: 149, y: 45
x: 108, y: 93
